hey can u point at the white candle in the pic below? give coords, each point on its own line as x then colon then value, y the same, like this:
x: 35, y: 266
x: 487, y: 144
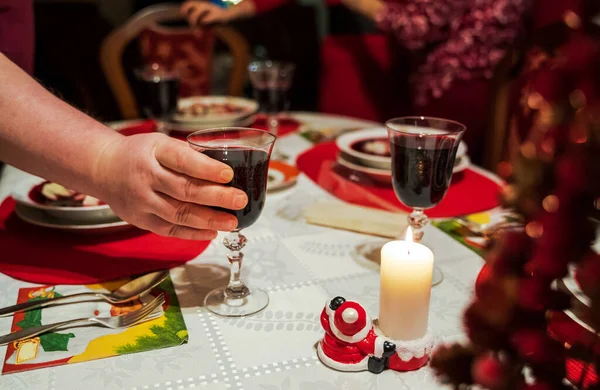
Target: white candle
x: 406, y: 270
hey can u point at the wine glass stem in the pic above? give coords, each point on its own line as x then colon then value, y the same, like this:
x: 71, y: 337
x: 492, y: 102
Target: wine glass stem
x: 417, y: 220
x: 273, y: 123
x: 236, y: 289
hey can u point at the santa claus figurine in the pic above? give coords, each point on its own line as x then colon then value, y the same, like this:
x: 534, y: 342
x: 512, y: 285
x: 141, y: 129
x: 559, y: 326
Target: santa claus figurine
x: 350, y: 342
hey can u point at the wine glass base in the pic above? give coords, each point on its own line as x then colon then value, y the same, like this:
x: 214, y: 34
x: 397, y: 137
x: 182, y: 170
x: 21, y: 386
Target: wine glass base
x: 217, y: 303
x: 369, y: 254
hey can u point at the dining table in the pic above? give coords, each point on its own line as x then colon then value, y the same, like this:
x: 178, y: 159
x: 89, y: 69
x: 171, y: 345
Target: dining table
x: 301, y: 266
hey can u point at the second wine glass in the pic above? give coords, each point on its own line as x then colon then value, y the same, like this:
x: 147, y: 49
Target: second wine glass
x: 271, y: 81
x: 423, y: 152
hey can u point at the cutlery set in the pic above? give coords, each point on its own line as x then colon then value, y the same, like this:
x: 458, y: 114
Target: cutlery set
x: 130, y: 291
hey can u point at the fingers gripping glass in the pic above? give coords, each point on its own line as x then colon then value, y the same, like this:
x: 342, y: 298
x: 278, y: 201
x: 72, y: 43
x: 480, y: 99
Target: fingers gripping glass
x: 247, y: 152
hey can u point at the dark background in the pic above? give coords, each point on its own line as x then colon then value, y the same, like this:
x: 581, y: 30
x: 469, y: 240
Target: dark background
x: 69, y: 35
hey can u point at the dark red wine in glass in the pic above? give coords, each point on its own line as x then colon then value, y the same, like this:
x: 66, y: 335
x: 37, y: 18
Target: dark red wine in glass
x: 157, y: 92
x: 421, y: 171
x: 250, y: 168
x: 247, y: 152
x: 271, y: 81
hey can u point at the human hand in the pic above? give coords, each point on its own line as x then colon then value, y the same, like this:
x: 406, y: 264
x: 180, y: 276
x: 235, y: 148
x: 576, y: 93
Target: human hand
x: 203, y: 13
x: 160, y: 184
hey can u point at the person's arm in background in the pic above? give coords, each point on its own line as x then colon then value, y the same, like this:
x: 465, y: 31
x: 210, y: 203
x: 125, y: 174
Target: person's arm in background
x: 204, y: 12
x: 152, y: 181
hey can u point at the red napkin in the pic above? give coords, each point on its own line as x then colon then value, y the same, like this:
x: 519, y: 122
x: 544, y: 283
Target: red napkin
x: 143, y: 127
x: 286, y: 125
x: 470, y: 192
x: 47, y: 256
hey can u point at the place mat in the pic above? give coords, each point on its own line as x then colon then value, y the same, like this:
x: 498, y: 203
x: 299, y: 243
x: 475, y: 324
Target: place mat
x: 465, y: 229
x: 287, y: 125
x: 47, y: 256
x: 470, y: 192
x: 82, y: 344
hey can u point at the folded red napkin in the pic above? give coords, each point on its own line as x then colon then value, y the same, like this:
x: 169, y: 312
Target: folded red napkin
x: 142, y: 127
x: 48, y: 256
x: 287, y: 125
x: 470, y: 192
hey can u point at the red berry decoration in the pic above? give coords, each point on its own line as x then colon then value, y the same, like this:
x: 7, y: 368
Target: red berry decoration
x: 489, y: 372
x: 554, y: 182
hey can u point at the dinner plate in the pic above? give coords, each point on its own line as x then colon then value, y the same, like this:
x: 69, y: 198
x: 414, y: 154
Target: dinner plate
x: 247, y: 106
x: 348, y: 142
x: 281, y: 176
x: 379, y: 175
x: 188, y: 128
x: 83, y: 214
x: 385, y: 175
x: 40, y: 218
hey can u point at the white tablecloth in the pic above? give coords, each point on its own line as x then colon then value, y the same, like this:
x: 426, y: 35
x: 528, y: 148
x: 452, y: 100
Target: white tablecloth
x: 301, y: 266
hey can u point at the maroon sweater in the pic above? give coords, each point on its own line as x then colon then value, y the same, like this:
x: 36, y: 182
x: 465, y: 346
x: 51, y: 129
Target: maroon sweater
x: 17, y: 32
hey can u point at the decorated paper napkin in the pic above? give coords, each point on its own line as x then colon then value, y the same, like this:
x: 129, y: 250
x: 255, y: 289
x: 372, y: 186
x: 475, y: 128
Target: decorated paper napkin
x: 81, y: 344
x: 467, y: 229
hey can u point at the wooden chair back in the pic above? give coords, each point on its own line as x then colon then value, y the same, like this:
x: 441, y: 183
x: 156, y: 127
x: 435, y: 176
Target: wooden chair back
x: 497, y: 136
x: 113, y: 47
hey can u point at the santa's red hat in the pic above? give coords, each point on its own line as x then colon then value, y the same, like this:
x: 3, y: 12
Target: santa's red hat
x: 349, y: 322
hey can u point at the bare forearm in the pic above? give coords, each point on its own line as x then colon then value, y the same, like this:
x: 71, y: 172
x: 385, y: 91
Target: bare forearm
x: 242, y: 10
x: 368, y: 8
x: 45, y: 136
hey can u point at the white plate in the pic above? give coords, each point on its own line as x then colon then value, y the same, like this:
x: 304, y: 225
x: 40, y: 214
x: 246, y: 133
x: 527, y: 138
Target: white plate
x: 385, y: 175
x: 41, y: 218
x: 463, y: 163
x: 249, y: 107
x: 379, y: 175
x: 346, y: 140
x: 83, y: 214
x: 191, y: 127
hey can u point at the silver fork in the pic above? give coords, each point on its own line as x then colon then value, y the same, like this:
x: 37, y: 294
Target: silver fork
x: 149, y: 311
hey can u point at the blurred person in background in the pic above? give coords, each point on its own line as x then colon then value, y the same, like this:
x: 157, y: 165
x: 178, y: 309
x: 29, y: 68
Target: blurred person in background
x: 448, y: 50
x: 17, y: 32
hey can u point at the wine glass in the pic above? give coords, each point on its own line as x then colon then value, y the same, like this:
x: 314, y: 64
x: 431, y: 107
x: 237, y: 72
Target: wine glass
x: 247, y: 152
x: 271, y: 81
x: 423, y: 151
x: 158, y: 92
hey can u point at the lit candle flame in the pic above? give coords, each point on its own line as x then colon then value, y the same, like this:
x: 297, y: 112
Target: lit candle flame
x: 409, y: 235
